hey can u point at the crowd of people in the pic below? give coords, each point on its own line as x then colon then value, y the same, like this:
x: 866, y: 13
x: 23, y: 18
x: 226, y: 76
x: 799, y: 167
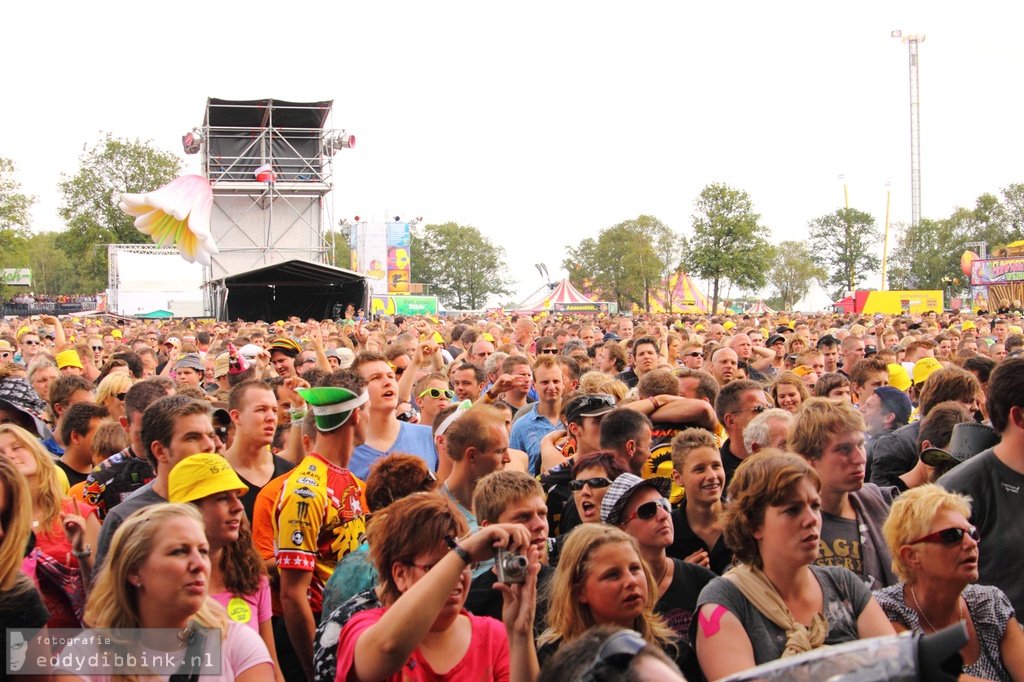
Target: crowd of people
x: 646, y: 497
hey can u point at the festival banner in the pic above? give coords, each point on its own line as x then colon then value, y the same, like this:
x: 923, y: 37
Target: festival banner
x: 399, y: 264
x: 997, y: 271
x: 21, y: 277
x: 595, y: 307
x: 370, y: 254
x: 403, y: 305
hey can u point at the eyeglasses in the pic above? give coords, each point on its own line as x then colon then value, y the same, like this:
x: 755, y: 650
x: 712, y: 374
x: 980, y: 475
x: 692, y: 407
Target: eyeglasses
x: 4, y: 356
x: 617, y: 652
x: 591, y: 402
x: 306, y: 362
x: 648, y: 510
x: 97, y: 347
x: 695, y: 354
x: 120, y: 396
x: 548, y: 351
x: 598, y: 482
x: 426, y: 567
x: 950, y: 536
x: 756, y: 409
x: 30, y: 342
x: 437, y: 393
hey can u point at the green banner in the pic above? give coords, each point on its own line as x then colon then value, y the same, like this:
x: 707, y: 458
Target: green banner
x: 403, y: 305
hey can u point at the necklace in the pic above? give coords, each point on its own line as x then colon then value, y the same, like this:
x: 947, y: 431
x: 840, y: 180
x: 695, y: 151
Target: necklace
x: 913, y: 594
x: 664, y: 573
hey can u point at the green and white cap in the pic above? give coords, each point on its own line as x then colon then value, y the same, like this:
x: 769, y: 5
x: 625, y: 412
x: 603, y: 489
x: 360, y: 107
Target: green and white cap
x: 332, y: 405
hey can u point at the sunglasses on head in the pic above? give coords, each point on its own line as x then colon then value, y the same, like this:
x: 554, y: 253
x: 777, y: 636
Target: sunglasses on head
x: 949, y: 536
x: 438, y: 392
x: 648, y: 510
x: 616, y: 653
x: 598, y: 482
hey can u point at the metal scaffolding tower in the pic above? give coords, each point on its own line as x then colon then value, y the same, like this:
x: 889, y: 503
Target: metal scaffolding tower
x: 913, y: 43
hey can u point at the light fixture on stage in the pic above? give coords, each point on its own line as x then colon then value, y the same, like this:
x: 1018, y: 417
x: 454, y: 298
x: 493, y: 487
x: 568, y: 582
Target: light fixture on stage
x: 332, y: 144
x: 192, y: 141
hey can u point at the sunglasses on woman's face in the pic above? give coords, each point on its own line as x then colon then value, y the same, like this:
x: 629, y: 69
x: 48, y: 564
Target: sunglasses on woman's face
x: 599, y: 482
x: 648, y: 510
x: 438, y: 392
x: 949, y: 536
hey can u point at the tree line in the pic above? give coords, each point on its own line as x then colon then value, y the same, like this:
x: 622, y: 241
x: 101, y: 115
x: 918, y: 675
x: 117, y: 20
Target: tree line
x: 628, y: 263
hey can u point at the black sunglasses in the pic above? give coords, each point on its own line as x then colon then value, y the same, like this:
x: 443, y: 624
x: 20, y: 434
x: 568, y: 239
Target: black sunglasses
x: 950, y: 536
x: 548, y: 351
x: 120, y: 396
x: 31, y: 343
x: 648, y: 510
x: 756, y: 409
x: 598, y: 482
x: 617, y: 652
x: 97, y: 347
x: 695, y: 354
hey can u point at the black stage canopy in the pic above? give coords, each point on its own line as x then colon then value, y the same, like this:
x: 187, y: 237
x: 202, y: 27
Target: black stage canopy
x: 294, y: 287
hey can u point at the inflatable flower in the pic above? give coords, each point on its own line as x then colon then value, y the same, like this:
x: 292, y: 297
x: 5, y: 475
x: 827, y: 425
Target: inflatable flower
x: 178, y: 213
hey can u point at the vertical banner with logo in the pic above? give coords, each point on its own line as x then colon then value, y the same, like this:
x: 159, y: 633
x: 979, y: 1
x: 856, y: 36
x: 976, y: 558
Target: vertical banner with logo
x: 399, y: 262
x: 370, y: 254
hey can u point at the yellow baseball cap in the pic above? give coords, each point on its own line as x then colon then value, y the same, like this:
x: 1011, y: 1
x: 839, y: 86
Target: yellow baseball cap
x: 899, y: 378
x: 968, y: 325
x: 116, y: 334
x: 199, y: 476
x: 729, y: 324
x: 68, y: 358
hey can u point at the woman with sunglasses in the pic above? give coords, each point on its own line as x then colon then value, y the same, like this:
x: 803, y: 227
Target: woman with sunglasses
x: 935, y: 554
x: 111, y: 393
x: 775, y: 603
x: 592, y: 474
x: 641, y: 508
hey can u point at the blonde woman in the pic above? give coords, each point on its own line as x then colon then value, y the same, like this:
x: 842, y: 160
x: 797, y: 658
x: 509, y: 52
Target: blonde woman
x: 935, y: 554
x: 111, y: 393
x: 20, y: 603
x: 789, y: 391
x: 157, y: 577
x: 65, y: 530
x: 601, y: 580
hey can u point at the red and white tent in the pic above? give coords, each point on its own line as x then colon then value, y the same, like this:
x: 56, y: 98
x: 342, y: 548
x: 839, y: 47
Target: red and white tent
x: 759, y: 308
x: 544, y: 299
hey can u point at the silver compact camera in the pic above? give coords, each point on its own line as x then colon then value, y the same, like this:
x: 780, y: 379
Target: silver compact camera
x: 511, y: 568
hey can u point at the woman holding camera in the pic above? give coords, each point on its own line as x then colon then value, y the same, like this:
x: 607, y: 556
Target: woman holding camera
x: 774, y: 602
x: 425, y: 575
x: 935, y: 554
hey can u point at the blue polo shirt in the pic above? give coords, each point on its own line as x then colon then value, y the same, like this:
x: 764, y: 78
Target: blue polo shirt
x: 527, y: 433
x: 413, y: 439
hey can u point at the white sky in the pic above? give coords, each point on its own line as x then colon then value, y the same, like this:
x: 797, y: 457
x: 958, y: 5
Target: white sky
x: 541, y: 123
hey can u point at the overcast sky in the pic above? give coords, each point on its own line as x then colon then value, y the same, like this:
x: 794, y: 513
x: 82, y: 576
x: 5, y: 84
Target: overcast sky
x: 542, y: 123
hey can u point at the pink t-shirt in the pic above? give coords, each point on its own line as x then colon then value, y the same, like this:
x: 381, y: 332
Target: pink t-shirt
x: 241, y: 650
x: 485, y: 660
x: 248, y: 609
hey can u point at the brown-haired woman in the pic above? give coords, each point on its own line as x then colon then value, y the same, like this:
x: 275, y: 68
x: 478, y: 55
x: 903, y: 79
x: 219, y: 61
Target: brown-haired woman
x: 775, y: 603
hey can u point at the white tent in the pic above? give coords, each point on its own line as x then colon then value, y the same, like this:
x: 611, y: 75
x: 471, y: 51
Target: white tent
x: 816, y: 299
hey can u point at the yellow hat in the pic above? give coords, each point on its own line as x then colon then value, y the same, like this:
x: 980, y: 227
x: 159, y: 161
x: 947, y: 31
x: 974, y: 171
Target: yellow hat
x: 117, y: 334
x: 729, y: 324
x: 699, y: 328
x: 438, y: 338
x: 68, y: 358
x: 923, y: 369
x: 898, y: 377
x: 1015, y: 330
x: 803, y: 370
x: 486, y: 336
x: 968, y: 325
x: 199, y: 476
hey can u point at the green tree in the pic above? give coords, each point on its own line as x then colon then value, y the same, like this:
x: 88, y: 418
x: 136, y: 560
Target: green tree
x: 791, y: 272
x: 14, y: 220
x: 728, y: 242
x: 52, y: 270
x: 841, y: 243
x: 1013, y: 210
x: 90, y: 198
x: 461, y: 265
x: 627, y: 262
